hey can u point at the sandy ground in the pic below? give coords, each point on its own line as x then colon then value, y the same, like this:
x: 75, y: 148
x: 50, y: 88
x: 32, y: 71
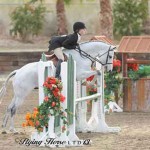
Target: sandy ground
x: 135, y: 133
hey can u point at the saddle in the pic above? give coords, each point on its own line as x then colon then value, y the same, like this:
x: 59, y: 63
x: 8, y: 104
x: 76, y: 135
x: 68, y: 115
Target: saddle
x: 54, y: 59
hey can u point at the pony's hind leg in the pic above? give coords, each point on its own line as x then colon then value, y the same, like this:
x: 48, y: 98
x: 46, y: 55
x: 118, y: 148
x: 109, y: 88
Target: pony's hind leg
x: 5, y: 120
x: 17, y: 102
x: 11, y: 111
x: 8, y: 112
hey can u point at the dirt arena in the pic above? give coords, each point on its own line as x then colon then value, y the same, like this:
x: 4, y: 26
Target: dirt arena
x: 135, y: 133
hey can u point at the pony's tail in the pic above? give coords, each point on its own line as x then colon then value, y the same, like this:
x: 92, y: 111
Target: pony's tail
x: 3, y: 89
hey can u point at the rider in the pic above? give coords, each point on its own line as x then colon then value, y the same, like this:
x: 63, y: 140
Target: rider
x: 67, y: 41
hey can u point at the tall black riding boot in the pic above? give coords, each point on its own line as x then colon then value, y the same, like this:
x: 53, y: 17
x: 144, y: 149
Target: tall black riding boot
x: 58, y: 68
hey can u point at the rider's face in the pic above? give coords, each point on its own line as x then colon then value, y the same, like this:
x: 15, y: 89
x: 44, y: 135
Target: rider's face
x: 82, y: 31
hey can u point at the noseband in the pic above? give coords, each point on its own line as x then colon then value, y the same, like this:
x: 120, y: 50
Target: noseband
x: 108, y: 56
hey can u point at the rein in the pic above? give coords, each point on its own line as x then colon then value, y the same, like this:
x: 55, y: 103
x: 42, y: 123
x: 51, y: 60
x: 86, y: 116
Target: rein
x: 94, y: 59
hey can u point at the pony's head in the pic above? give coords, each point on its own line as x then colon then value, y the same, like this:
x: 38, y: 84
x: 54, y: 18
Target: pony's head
x: 99, y: 50
x: 105, y: 54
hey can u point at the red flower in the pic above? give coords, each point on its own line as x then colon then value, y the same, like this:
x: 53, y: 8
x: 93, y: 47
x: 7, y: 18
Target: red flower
x: 49, y: 86
x: 55, y: 93
x: 46, y: 99
x: 63, y: 128
x: 90, y: 78
x: 62, y: 98
x: 35, y: 109
x: 37, y: 123
x: 132, y: 66
x: 45, y: 84
x: 53, y: 104
x: 116, y: 63
x: 56, y: 90
x: 52, y: 81
x: 135, y: 67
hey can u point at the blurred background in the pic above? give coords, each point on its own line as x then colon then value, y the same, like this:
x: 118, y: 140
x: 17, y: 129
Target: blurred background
x: 26, y: 19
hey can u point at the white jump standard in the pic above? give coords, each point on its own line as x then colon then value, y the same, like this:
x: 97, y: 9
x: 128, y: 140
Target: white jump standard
x: 97, y: 121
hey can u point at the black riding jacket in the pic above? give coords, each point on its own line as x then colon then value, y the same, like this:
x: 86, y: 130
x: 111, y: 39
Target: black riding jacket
x: 67, y: 41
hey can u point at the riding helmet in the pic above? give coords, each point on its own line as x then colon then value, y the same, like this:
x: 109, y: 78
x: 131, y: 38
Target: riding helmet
x: 78, y: 25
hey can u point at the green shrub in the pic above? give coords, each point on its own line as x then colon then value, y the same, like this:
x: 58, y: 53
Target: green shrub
x: 144, y: 71
x: 27, y: 20
x: 129, y: 16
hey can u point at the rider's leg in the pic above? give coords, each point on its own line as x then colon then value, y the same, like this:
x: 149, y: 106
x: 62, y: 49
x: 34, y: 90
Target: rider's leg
x: 58, y: 52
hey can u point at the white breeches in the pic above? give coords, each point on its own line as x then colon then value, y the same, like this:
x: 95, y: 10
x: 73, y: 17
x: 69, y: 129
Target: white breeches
x: 58, y: 52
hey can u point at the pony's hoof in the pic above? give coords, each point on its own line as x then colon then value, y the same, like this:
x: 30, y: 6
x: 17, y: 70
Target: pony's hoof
x: 13, y: 131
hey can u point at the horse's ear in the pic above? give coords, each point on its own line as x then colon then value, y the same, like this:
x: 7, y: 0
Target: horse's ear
x: 115, y: 48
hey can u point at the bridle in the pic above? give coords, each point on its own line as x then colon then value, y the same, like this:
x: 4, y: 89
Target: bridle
x: 94, y: 59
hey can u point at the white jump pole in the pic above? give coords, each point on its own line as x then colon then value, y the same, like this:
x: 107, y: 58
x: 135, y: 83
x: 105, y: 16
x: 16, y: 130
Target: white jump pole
x: 41, y: 79
x: 102, y: 126
x: 81, y: 107
x: 93, y: 121
x: 72, y: 128
x: 64, y: 77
